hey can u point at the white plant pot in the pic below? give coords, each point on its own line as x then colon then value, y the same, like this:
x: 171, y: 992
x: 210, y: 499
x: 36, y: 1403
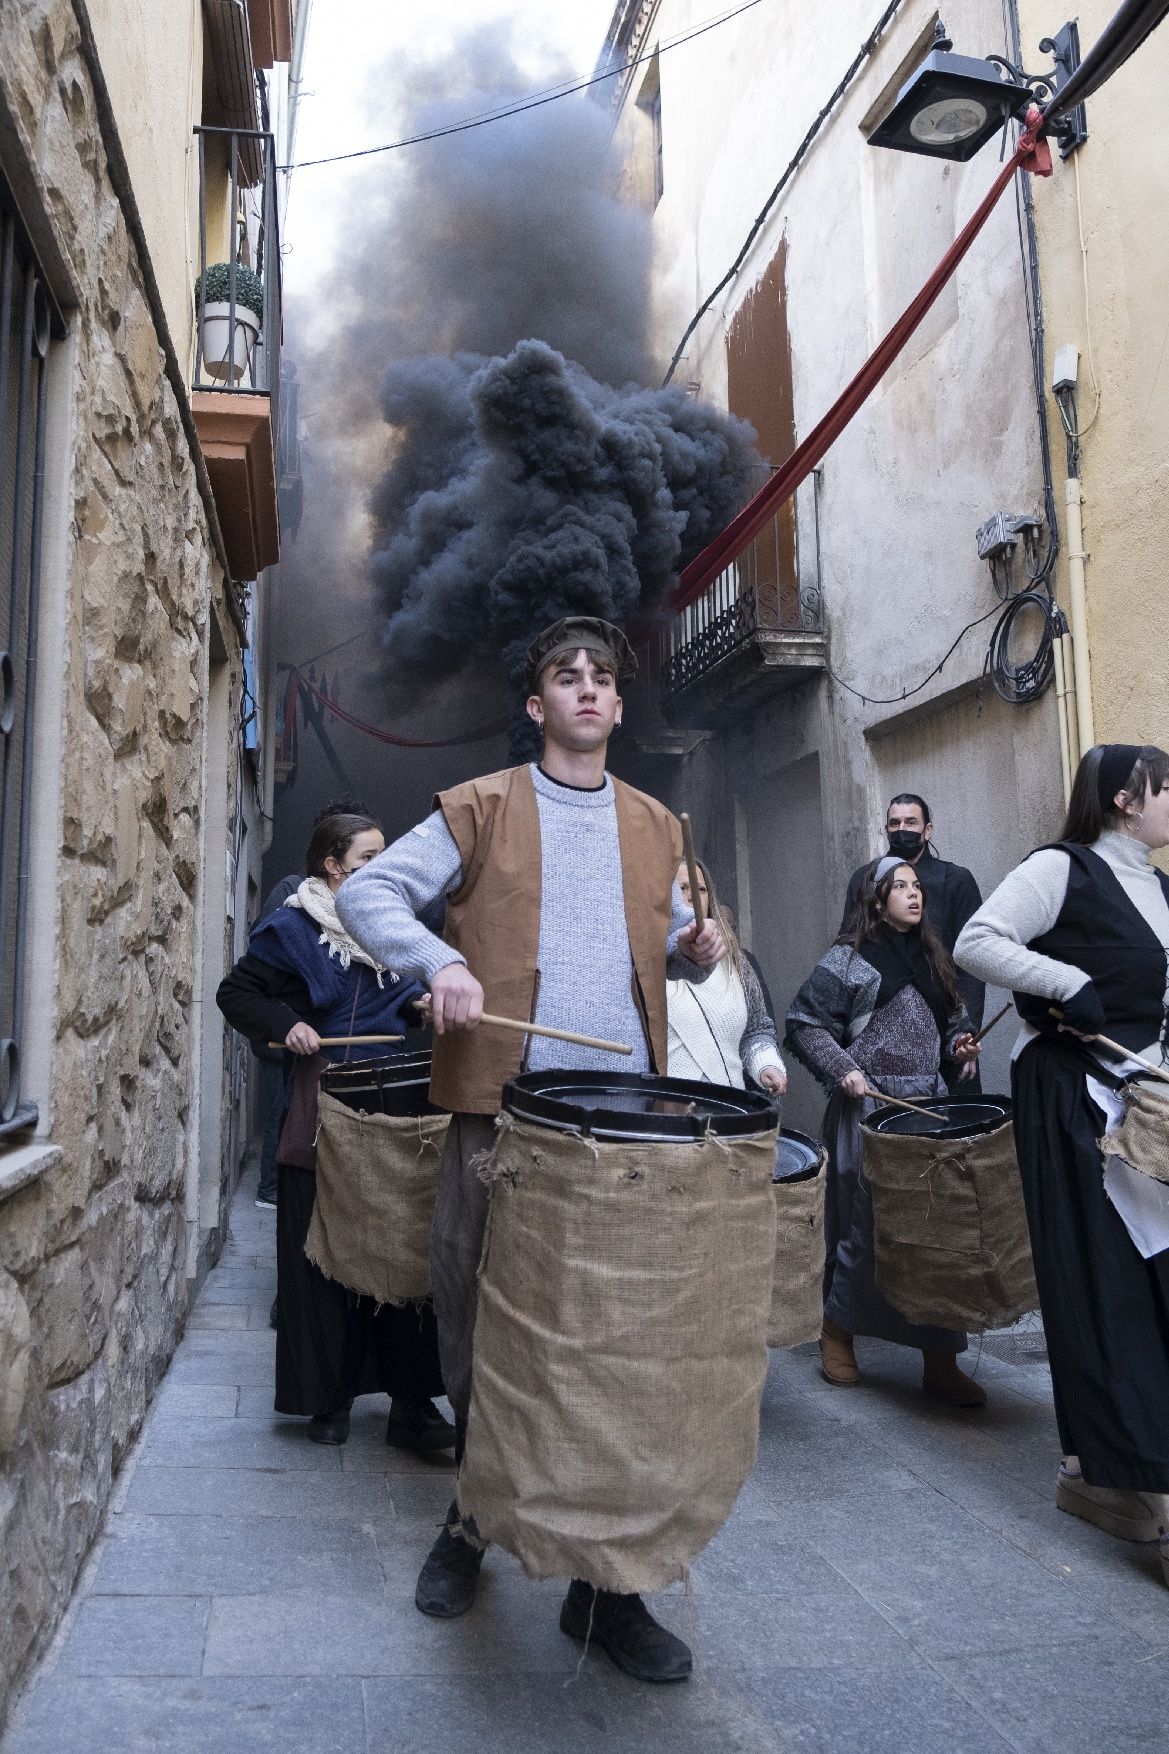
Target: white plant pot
x: 226, y: 355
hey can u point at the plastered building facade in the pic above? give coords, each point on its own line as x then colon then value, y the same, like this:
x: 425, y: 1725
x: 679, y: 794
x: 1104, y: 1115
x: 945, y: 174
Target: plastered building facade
x: 788, y: 773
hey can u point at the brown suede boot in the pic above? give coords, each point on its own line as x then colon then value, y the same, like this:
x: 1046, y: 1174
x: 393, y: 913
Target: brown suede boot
x: 837, y: 1359
x: 942, y: 1379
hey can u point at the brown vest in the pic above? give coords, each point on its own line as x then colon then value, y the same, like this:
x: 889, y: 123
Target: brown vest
x: 493, y: 919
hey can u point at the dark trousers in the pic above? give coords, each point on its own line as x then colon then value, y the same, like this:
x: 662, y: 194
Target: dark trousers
x: 273, y: 1089
x: 331, y: 1344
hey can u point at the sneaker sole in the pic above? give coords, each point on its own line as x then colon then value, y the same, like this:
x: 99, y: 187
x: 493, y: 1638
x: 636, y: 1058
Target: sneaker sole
x: 1121, y: 1528
x: 572, y: 1628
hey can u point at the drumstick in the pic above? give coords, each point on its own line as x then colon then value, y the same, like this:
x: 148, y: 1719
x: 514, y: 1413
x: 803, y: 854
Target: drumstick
x: 342, y: 1041
x: 691, y: 868
x: 997, y: 1018
x: 580, y: 1041
x: 1119, y: 1048
x: 900, y: 1102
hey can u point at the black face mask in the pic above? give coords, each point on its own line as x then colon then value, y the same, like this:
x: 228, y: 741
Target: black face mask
x: 906, y: 843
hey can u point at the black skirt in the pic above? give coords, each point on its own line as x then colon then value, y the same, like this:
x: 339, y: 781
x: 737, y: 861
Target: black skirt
x: 1105, y: 1310
x: 331, y: 1344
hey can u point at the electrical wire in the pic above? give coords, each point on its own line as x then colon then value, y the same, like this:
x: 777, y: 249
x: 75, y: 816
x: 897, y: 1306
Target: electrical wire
x: 1022, y: 683
x: 536, y: 100
x: 908, y: 693
x: 793, y: 166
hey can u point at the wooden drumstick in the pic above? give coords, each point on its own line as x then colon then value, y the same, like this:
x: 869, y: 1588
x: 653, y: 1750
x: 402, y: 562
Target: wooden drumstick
x: 580, y: 1041
x: 1118, y: 1047
x: 997, y: 1018
x: 691, y: 869
x: 900, y: 1102
x: 341, y: 1041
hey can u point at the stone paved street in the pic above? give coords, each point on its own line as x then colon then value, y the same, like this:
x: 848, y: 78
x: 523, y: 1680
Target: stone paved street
x: 894, y: 1578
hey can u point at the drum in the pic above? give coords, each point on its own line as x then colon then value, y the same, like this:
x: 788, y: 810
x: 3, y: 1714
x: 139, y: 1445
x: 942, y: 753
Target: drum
x: 391, y: 1085
x: 378, y: 1148
x: 949, y: 1223
x: 797, y: 1298
x: 620, y: 1341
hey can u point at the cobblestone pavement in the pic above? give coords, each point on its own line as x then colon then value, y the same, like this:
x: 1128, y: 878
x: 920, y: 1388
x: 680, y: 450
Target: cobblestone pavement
x: 895, y: 1577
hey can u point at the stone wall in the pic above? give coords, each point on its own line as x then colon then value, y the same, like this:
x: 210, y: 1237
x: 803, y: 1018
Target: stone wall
x: 92, y: 1278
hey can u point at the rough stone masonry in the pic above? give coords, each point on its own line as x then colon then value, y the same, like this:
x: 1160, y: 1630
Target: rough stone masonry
x: 92, y: 1262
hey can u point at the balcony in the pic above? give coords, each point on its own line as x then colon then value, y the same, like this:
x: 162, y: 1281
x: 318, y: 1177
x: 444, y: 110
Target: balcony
x: 235, y: 394
x: 756, y: 631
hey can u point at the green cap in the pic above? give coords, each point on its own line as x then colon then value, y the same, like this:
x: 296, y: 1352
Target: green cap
x: 574, y: 632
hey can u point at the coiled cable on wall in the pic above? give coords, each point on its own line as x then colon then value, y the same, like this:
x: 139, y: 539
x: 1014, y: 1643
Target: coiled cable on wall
x: 1020, y: 683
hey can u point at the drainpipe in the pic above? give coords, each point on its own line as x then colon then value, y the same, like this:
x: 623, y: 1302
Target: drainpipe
x: 1064, y: 698
x: 1078, y: 606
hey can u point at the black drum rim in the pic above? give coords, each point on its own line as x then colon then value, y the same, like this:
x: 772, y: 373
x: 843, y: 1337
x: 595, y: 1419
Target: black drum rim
x: 884, y: 1120
x: 813, y: 1147
x: 527, y: 1098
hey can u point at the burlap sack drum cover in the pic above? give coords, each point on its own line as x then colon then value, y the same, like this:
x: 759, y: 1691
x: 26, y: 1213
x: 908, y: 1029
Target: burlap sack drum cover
x: 797, y: 1296
x: 377, y: 1178
x: 1142, y: 1138
x: 620, y: 1350
x: 952, y: 1247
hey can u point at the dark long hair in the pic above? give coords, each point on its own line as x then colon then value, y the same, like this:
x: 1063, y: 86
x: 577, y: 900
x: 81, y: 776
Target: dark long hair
x: 332, y: 837
x: 1087, y: 816
x: 870, y: 917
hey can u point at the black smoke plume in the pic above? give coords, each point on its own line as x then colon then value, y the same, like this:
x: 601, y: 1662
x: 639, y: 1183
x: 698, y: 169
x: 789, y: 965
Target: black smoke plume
x: 524, y: 490
x: 499, y: 292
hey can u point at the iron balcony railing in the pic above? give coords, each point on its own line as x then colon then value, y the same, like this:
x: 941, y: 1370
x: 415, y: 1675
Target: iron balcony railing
x: 771, y: 586
x: 237, y: 348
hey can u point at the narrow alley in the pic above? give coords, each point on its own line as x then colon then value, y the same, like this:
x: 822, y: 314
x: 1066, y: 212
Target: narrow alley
x: 895, y: 1577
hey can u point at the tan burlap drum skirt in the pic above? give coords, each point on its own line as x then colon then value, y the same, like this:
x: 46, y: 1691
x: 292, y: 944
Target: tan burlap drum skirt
x: 797, y: 1295
x: 1142, y: 1138
x: 620, y: 1350
x: 952, y: 1247
x: 377, y: 1179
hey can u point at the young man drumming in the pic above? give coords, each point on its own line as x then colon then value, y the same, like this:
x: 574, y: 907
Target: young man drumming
x: 561, y: 909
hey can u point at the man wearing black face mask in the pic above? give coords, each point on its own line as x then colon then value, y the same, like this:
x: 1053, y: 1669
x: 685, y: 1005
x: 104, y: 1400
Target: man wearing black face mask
x: 951, y: 893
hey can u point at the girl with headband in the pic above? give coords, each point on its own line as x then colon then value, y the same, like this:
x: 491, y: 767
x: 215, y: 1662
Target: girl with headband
x: 1080, y: 933
x: 881, y: 1008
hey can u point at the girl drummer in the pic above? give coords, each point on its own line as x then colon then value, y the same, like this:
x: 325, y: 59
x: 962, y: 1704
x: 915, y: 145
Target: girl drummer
x: 303, y: 977
x: 724, y: 1035
x: 882, y: 1007
x: 1082, y: 928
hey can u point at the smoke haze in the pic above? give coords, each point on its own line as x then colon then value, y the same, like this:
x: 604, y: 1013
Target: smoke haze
x: 488, y: 335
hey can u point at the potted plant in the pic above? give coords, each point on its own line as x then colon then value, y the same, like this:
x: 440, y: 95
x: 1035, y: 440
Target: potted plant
x: 227, y: 353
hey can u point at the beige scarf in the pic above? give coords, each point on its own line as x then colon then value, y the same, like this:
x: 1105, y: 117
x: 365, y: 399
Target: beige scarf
x: 316, y: 899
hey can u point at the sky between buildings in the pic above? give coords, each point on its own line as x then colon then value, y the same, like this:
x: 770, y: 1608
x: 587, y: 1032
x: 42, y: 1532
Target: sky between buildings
x: 349, y: 91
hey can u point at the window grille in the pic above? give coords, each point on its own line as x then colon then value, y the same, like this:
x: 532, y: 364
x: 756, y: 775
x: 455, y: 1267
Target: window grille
x: 29, y: 320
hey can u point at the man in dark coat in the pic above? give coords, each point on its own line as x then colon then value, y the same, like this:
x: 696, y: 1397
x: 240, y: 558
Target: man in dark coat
x: 951, y: 893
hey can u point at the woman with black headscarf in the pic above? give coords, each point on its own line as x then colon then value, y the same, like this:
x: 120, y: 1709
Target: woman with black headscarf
x: 1082, y: 928
x: 881, y: 1008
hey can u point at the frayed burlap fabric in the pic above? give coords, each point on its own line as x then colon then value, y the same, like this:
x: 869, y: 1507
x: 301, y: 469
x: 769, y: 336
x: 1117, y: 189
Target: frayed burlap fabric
x: 620, y: 1350
x: 797, y: 1295
x: 377, y: 1177
x: 952, y: 1248
x: 1142, y: 1138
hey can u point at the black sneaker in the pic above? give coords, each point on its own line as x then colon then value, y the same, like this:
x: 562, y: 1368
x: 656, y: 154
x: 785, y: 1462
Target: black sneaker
x: 626, y: 1631
x: 330, y: 1427
x: 418, y: 1425
x: 448, y: 1581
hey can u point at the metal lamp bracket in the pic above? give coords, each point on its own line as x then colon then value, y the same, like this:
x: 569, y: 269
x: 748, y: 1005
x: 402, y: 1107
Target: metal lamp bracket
x: 1064, y: 48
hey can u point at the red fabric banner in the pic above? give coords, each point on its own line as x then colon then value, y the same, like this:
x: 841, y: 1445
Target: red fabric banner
x: 1033, y: 155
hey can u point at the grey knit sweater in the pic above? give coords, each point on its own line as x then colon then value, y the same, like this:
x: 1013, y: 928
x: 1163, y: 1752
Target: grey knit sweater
x: 586, y: 967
